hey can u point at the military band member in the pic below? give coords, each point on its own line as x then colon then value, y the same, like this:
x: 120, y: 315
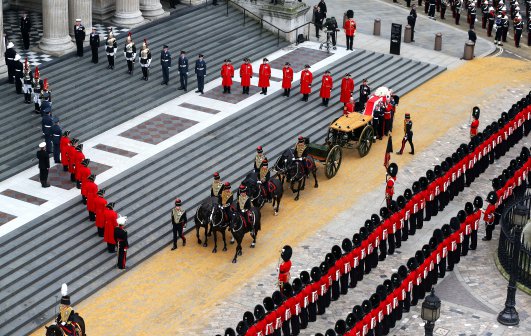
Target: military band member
x: 200, y: 72
x: 110, y: 49
x: 499, y: 30
x: 306, y: 83
x: 56, y: 133
x: 178, y: 221
x: 246, y: 73
x: 287, y: 78
x: 79, y: 34
x: 244, y: 201
x: 130, y: 53
x: 225, y: 199
x: 121, y: 241
x: 94, y: 40
x: 217, y: 185
x: 264, y: 74
x: 27, y: 79
x: 350, y: 29
x: 505, y: 26
x: 9, y: 56
x: 285, y: 266
x: 485, y: 13
x: 408, y: 135
x: 259, y: 157
x: 165, y: 62
x: 66, y: 313
x: 327, y: 84
x: 227, y: 73
x: 145, y: 60
x: 25, y: 27
x: 183, y: 71
x: 365, y: 92
x: 19, y: 73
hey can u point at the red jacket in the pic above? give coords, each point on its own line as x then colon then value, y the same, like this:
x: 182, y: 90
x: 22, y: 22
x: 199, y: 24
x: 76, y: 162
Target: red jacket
x: 71, y: 153
x: 306, y: 81
x: 474, y: 127
x: 350, y: 27
x: 79, y: 156
x: 87, y: 187
x: 82, y: 173
x: 348, y: 108
x: 227, y: 72
x: 326, y: 86
x: 287, y: 77
x: 347, y: 87
x: 110, y: 223
x: 92, y: 190
x: 99, y: 207
x: 246, y: 73
x: 283, y: 271
x: 263, y: 75
x: 64, y: 146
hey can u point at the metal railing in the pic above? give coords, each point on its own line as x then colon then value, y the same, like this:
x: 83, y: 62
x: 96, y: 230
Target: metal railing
x: 506, y: 247
x: 262, y: 22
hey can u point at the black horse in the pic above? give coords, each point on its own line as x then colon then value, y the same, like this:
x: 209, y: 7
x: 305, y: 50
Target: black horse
x: 296, y: 171
x: 203, y: 216
x: 253, y: 189
x: 79, y: 328
x: 240, y: 224
x: 218, y: 223
x: 273, y: 191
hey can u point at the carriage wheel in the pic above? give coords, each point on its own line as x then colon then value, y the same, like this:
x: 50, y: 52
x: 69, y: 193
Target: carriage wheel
x: 365, y: 141
x: 333, y: 161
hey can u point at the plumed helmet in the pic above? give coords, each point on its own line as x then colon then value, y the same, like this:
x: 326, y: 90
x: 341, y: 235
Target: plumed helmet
x: 475, y: 112
x: 461, y: 215
x: 259, y: 149
x: 336, y: 252
x: 396, y: 279
x: 323, y: 267
x: 430, y: 175
x: 364, y: 233
x: 437, y: 170
x: 351, y: 320
x: 296, y: 285
x: 357, y: 310
x: 403, y: 271
x: 305, y: 277
x: 375, y: 220
x: 401, y: 201
x: 248, y: 318
x: 496, y: 183
x: 277, y: 298
x: 340, y: 327
x: 492, y: 198
x: 381, y: 290
x: 412, y: 264
x: 408, y: 194
x: 65, y: 298
x: 330, y: 332
x: 368, y: 226
x: 259, y: 312
x: 424, y: 183
x: 315, y: 273
x: 375, y: 300
x: 287, y: 290
x: 346, y: 245
x: 433, y: 243
x: 446, y: 230
x: 286, y: 253
x: 230, y: 332
x: 356, y: 240
x: 384, y: 212
x: 469, y: 208
x: 393, y: 206
x: 269, y: 305
x: 241, y: 328
x: 366, y: 306
x: 478, y: 202
x: 415, y: 187
x: 392, y: 170
x: 426, y: 250
x: 419, y: 257
x: 438, y: 235
x: 454, y: 223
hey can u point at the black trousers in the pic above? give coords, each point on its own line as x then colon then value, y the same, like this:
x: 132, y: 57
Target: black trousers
x: 488, y: 231
x: 350, y: 42
x: 504, y: 33
x: 94, y: 55
x: 443, y: 11
x: 111, y: 248
x: 130, y: 66
x: 517, y: 35
x: 392, y: 245
x: 431, y: 10
x: 472, y: 21
x: 79, y: 45
x: 110, y: 59
x: 412, y: 33
x: 178, y: 233
x: 43, y: 175
x: 457, y: 17
x: 303, y: 318
x: 26, y: 40
x: 184, y: 80
x: 145, y: 72
x: 473, y: 239
x: 165, y: 74
x: 200, y: 83
x: 18, y: 84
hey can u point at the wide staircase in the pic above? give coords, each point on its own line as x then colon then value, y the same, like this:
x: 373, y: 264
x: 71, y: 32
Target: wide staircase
x: 90, y: 99
x: 63, y: 246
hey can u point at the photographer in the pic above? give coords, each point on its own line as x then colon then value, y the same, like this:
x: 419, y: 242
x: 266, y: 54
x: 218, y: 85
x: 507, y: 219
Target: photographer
x: 318, y: 18
x: 331, y: 30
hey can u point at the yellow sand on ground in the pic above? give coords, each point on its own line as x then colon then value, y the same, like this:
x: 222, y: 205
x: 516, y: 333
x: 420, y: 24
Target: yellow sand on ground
x: 176, y: 289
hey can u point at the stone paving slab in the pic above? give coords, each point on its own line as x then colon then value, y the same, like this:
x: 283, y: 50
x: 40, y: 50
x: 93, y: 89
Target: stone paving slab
x: 158, y: 128
x: 234, y: 97
x: 115, y: 150
x: 199, y: 108
x: 23, y: 197
x: 61, y: 179
x: 5, y: 217
x: 299, y: 57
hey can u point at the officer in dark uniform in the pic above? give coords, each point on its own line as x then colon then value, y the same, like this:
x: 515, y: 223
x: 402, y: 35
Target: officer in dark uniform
x: 200, y: 71
x: 94, y: 44
x: 110, y: 49
x: 25, y: 27
x: 378, y: 120
x: 444, y: 4
x: 365, y: 92
x: 183, y: 71
x: 178, y: 221
x: 412, y: 20
x: 19, y: 68
x: 46, y: 125
x: 130, y: 53
x: 505, y: 26
x: 44, y: 164
x: 408, y: 135
x: 79, y: 34
x: 518, y: 28
x: 457, y: 12
x: 165, y: 62
x: 56, y: 133
x: 431, y: 9
x: 9, y: 55
x: 145, y: 60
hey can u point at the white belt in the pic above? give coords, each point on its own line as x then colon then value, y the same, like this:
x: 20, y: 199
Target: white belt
x: 164, y: 60
x: 47, y: 126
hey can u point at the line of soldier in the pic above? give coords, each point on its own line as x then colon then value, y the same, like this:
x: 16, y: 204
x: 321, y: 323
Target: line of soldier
x: 313, y: 292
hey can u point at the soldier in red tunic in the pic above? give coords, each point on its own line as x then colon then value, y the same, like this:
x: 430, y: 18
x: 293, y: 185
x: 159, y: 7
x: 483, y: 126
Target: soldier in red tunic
x: 82, y: 172
x: 227, y: 73
x: 100, y: 204
x: 91, y: 193
x: 285, y: 266
x: 475, y: 123
x: 287, y: 78
x: 326, y: 87
x: 88, y: 187
x: 347, y: 88
x: 264, y: 74
x: 306, y: 82
x: 350, y: 29
x: 71, y: 154
x: 488, y: 215
x: 392, y: 170
x: 349, y: 107
x: 110, y: 217
x: 78, y: 158
x: 246, y: 73
x: 63, y: 147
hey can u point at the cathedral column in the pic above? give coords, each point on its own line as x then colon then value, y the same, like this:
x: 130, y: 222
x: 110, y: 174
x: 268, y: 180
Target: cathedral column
x: 80, y: 9
x: 127, y: 13
x: 152, y: 9
x: 55, y: 39
x: 3, y: 67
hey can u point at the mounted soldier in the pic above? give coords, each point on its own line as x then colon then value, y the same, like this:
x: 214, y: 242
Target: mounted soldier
x: 217, y: 185
x: 301, y: 148
x: 244, y: 201
x: 69, y: 322
x: 225, y: 199
x: 258, y: 159
x: 263, y: 174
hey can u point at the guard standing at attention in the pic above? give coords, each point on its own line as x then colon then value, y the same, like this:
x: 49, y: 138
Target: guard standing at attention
x: 408, y: 135
x: 44, y: 164
x: 518, y: 28
x: 121, y: 240
x: 178, y: 221
x: 9, y: 55
x: 130, y: 53
x: 19, y: 73
x: 227, y: 73
x: 27, y: 80
x: 165, y: 62
x: 264, y: 74
x: 37, y: 87
x: 200, y: 71
x: 183, y: 71
x: 94, y: 40
x: 306, y: 83
x: 285, y: 266
x: 110, y: 49
x: 25, y: 27
x: 246, y: 73
x: 56, y: 133
x: 287, y: 78
x: 350, y: 29
x: 326, y: 88
x: 145, y: 60
x: 365, y: 92
x: 475, y: 123
x: 110, y: 217
x: 79, y: 34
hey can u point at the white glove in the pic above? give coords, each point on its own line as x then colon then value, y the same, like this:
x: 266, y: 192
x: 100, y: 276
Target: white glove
x: 125, y: 54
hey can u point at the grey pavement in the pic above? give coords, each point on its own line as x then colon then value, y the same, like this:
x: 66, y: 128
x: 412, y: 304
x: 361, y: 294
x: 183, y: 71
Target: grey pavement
x: 471, y: 296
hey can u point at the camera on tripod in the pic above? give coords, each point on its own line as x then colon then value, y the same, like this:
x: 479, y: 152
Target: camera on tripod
x: 331, y: 25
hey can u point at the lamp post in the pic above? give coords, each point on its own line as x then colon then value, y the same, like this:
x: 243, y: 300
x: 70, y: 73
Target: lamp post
x: 431, y: 310
x: 509, y: 316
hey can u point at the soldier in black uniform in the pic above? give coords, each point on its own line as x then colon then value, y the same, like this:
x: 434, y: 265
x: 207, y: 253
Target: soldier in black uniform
x: 200, y: 71
x: 444, y: 4
x: 431, y: 9
x: 9, y: 55
x: 25, y: 27
x: 183, y: 71
x: 19, y: 68
x: 457, y: 11
x: 499, y: 30
x: 145, y: 60
x: 120, y: 235
x: 412, y: 20
x: 44, y: 164
x: 165, y: 62
x: 94, y: 45
x: 56, y: 133
x: 518, y: 27
x: 485, y: 14
x: 46, y: 125
x: 79, y: 34
x: 27, y: 79
x: 130, y: 53
x: 505, y: 26
x: 178, y: 221
x: 378, y: 120
x: 408, y: 135
x: 110, y: 49
x: 529, y: 32
x: 365, y: 92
